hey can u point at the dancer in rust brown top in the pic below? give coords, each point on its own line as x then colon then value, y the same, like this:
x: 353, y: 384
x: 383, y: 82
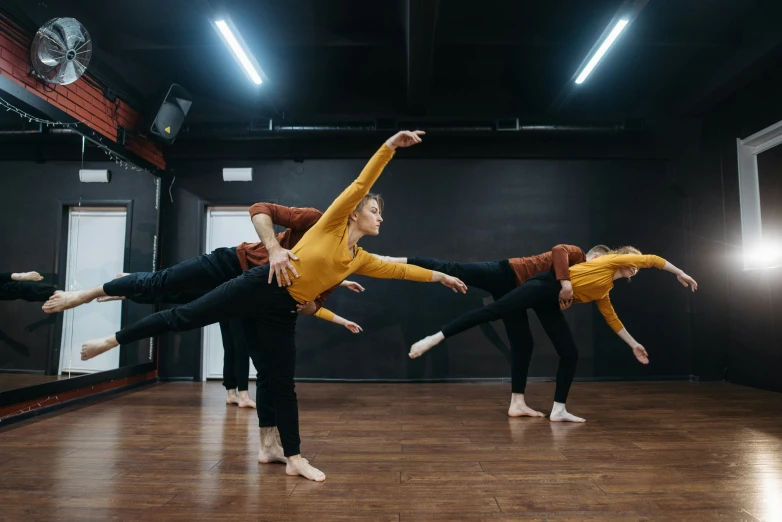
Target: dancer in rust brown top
x: 500, y: 277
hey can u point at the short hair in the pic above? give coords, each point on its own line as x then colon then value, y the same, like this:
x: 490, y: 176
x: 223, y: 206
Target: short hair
x: 598, y: 249
x: 626, y: 250
x: 369, y: 197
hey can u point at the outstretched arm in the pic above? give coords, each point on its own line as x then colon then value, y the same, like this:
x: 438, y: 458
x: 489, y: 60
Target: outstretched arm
x: 607, y: 309
x: 684, y: 279
x: 389, y: 259
x: 373, y: 267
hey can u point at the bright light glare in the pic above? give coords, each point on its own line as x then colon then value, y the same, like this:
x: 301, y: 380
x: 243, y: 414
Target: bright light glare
x: 601, y: 51
x: 766, y: 256
x: 238, y: 51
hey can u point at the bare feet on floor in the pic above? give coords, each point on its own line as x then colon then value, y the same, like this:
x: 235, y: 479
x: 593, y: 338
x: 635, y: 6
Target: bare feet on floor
x: 560, y: 414
x: 273, y: 453
x: 242, y: 400
x: 519, y: 408
x: 96, y: 347
x: 299, y: 466
x: 425, y: 344
x: 61, y: 301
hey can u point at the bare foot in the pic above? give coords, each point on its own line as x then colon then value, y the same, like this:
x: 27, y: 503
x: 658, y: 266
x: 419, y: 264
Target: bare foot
x: 564, y: 416
x: 269, y: 454
x: 522, y: 410
x: 425, y: 344
x: 61, y: 301
x: 244, y: 400
x: 232, y: 398
x: 96, y: 347
x: 298, y: 466
x: 518, y: 407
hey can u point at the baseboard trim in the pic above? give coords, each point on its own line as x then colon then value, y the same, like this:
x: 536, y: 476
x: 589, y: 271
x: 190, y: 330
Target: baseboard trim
x: 86, y: 399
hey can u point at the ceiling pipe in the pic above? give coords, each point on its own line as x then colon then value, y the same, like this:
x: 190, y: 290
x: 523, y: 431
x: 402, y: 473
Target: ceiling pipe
x: 266, y: 129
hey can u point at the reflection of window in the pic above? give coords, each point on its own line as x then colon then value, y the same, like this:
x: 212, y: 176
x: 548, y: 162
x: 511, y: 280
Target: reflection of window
x: 762, y: 246
x: 770, y: 188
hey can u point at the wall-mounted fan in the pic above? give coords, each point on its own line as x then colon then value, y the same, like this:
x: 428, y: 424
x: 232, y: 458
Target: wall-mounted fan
x: 61, y: 51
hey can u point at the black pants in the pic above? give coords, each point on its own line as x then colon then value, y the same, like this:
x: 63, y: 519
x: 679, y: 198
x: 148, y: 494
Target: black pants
x: 180, y: 283
x: 540, y: 293
x: 26, y: 291
x: 236, y: 360
x: 497, y: 278
x: 274, y: 312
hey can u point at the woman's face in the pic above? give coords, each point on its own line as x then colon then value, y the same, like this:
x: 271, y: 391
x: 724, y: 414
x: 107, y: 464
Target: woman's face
x: 628, y: 271
x: 368, y: 219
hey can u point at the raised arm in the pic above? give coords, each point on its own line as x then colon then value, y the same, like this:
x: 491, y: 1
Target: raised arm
x: 607, y: 309
x: 337, y: 214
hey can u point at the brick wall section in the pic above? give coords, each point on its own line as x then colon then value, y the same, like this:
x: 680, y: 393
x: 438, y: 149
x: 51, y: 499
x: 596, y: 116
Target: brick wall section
x: 80, y: 99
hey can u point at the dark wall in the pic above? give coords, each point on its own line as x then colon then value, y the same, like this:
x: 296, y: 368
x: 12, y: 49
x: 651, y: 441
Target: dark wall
x: 736, y: 333
x: 467, y: 210
x: 30, y: 213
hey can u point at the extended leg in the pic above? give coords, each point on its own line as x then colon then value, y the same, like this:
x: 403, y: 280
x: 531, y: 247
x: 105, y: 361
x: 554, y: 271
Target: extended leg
x: 26, y: 291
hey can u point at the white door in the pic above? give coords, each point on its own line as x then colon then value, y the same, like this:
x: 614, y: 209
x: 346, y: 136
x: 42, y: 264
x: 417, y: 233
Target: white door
x: 96, y: 254
x: 225, y: 227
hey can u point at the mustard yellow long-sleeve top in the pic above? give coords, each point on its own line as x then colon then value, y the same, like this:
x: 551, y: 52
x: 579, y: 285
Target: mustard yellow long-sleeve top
x: 324, y: 257
x: 593, y: 280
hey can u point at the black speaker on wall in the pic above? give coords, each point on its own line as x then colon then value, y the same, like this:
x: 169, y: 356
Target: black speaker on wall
x: 171, y: 114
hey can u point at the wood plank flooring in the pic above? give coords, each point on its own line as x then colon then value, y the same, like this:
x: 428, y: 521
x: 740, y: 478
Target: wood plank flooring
x: 406, y: 452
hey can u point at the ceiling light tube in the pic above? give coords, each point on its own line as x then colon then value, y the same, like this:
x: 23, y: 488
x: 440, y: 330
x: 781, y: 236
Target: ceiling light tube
x: 620, y: 25
x: 234, y: 41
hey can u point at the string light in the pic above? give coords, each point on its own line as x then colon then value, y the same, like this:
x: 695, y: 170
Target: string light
x: 116, y: 158
x: 31, y: 118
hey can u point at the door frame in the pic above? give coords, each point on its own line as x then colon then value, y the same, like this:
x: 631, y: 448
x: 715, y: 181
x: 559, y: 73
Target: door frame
x: 203, y: 206
x: 61, y: 267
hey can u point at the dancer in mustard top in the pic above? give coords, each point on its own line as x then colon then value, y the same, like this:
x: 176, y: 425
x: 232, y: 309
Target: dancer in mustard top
x: 323, y: 258
x: 592, y: 281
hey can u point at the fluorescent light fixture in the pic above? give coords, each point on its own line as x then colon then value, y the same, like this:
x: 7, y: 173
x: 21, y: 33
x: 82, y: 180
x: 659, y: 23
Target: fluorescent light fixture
x: 94, y: 176
x: 620, y: 25
x: 245, y: 174
x: 243, y: 55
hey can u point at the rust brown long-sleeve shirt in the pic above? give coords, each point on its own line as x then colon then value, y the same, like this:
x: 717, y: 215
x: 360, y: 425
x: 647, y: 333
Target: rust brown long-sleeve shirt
x: 297, y: 221
x: 560, y: 259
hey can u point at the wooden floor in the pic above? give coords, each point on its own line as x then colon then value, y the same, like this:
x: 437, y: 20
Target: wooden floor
x: 435, y: 452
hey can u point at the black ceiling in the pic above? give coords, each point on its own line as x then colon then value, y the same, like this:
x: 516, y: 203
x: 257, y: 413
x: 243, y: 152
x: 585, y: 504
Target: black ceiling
x: 440, y: 59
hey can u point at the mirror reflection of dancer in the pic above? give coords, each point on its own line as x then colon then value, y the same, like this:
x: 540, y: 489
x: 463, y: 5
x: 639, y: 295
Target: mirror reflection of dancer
x: 22, y: 285
x: 591, y: 281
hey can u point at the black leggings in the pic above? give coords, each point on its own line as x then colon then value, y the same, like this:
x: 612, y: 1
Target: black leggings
x: 247, y: 334
x: 540, y: 293
x: 274, y: 312
x: 236, y: 360
x: 497, y: 278
x: 180, y: 283
x: 26, y: 291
